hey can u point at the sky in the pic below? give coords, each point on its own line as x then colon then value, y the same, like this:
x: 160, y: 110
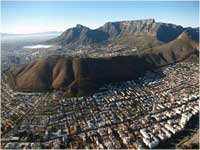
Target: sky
x: 37, y: 16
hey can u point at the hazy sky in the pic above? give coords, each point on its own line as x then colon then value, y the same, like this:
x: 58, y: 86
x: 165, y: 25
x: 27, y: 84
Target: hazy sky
x: 29, y: 17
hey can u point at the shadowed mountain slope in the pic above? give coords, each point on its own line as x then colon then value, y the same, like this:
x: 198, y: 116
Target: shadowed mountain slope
x: 140, y: 34
x: 83, y: 76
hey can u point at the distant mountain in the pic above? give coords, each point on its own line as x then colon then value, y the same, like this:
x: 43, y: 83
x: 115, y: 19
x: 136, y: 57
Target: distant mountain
x: 82, y: 76
x: 140, y: 34
x: 6, y: 37
x: 32, y: 34
x: 158, y: 44
x: 10, y: 42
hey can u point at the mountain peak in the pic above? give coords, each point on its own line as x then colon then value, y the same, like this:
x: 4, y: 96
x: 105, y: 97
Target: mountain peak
x: 123, y: 34
x: 79, y: 26
x: 184, y: 35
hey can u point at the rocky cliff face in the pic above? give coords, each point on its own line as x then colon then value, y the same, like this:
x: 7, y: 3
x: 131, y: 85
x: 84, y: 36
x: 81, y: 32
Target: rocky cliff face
x: 82, y: 76
x: 79, y: 35
x: 137, y: 33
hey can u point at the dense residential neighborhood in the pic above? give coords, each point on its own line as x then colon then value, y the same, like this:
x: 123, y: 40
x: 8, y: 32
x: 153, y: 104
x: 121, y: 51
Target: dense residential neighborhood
x: 131, y: 114
x: 100, y: 75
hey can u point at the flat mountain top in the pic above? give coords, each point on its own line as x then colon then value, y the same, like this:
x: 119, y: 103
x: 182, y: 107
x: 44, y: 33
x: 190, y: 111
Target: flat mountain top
x: 140, y: 34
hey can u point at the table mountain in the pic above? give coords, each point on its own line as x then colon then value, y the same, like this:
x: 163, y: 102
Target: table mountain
x: 140, y: 34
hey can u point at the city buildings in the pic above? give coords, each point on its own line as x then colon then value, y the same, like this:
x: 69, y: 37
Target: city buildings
x: 131, y: 114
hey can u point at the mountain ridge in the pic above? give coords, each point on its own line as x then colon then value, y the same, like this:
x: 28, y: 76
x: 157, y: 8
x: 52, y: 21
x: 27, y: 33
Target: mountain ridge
x: 83, y: 76
x: 141, y: 34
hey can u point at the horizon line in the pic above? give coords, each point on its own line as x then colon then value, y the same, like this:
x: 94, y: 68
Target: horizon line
x: 45, y: 31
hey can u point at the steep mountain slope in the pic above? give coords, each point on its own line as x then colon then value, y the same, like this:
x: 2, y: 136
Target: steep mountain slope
x: 79, y: 35
x: 179, y: 49
x: 140, y: 34
x: 81, y: 76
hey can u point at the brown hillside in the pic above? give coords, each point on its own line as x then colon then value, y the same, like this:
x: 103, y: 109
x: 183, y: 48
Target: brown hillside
x: 81, y: 76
